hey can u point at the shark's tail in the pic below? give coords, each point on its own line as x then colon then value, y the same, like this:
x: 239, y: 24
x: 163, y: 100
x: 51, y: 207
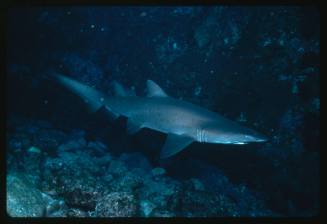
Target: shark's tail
x: 93, y: 98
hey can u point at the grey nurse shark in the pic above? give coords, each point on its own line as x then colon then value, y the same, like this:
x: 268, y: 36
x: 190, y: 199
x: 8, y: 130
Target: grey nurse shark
x: 183, y: 122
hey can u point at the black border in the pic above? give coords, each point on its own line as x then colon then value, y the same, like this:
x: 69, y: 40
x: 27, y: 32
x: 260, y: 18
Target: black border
x: 6, y: 5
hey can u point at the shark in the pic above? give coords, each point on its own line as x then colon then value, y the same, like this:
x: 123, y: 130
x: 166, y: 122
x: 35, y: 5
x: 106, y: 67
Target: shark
x: 182, y: 122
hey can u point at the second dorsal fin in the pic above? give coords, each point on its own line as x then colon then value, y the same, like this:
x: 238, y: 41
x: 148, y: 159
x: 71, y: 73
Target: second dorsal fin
x: 119, y: 90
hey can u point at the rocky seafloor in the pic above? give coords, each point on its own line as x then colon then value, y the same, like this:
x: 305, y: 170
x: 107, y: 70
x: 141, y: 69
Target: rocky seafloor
x: 55, y: 173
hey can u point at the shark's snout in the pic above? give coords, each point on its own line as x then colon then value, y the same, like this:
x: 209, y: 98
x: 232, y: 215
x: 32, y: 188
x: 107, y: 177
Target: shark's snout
x: 256, y: 137
x: 262, y: 139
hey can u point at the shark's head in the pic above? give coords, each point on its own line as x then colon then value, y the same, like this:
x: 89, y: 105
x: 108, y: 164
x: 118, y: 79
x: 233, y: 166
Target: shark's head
x: 230, y: 136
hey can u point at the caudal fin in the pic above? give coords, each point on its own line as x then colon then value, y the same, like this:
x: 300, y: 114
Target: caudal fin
x: 92, y: 97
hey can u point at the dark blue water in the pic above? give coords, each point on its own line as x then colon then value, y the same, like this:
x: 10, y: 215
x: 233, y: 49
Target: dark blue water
x: 259, y: 66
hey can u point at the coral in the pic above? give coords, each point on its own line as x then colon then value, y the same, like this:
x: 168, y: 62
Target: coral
x: 116, y: 204
x: 128, y: 182
x: 207, y: 204
x: 73, y: 176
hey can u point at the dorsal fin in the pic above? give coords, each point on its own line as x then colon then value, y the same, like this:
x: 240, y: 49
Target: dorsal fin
x: 118, y: 89
x: 121, y: 91
x: 154, y: 90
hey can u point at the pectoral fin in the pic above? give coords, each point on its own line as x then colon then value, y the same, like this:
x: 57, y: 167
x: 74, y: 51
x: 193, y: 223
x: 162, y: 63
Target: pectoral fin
x: 119, y: 90
x: 174, y: 144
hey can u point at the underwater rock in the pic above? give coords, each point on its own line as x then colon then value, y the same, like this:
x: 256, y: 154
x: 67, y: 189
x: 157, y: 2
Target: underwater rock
x: 107, y: 178
x: 34, y: 149
x: 54, y: 208
x: 146, y: 208
x: 158, y: 171
x: 74, y: 212
x: 104, y: 161
x: 28, y: 126
x: 197, y: 184
x: 140, y: 172
x: 78, y: 163
x: 23, y: 199
x: 207, y: 204
x: 58, y: 214
x: 72, y: 145
x: 117, y: 168
x: 164, y: 193
x: 11, y: 163
x: 77, y: 134
x: 97, y: 148
x: 18, y: 156
x: 214, y: 179
x: 75, y: 177
x: 48, y: 139
x: 136, y: 160
x: 116, y: 204
x: 32, y: 166
x: 164, y: 214
x: 126, y: 183
x: 247, y: 204
x: 80, y: 192
x: 18, y: 141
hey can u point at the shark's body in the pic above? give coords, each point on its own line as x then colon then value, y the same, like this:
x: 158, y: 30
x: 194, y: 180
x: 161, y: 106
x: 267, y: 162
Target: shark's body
x: 182, y: 121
